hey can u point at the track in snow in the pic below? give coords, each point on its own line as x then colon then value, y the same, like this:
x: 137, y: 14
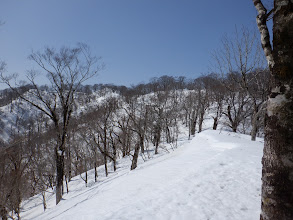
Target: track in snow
x: 214, y: 176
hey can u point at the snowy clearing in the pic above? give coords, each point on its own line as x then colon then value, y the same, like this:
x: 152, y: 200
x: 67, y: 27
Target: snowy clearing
x: 216, y: 175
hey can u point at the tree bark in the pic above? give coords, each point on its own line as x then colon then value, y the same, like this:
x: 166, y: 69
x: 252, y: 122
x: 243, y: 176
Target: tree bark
x: 44, y: 200
x: 96, y: 172
x: 60, y: 173
x: 157, y: 138
x: 215, y: 124
x: 69, y: 163
x: 277, y: 173
x: 105, y: 163
x: 200, y: 121
x: 193, y: 122
x: 135, y: 157
x: 254, y: 124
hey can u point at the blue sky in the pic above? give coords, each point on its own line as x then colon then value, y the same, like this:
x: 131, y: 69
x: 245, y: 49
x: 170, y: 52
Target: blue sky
x: 137, y: 39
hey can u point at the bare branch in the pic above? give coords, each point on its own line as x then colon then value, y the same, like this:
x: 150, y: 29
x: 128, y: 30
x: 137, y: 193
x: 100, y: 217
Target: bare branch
x: 261, y: 20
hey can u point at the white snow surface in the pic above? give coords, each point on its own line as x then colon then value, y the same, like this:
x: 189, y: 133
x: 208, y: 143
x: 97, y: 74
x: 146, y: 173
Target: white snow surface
x: 216, y: 175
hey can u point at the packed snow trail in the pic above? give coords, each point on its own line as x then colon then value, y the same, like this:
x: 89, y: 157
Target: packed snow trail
x: 214, y: 176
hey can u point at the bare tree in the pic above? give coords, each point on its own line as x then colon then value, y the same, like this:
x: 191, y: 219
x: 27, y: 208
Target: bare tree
x: 138, y: 114
x: 15, y: 160
x: 101, y: 131
x: 124, y: 135
x: 190, y: 111
x: 257, y: 86
x: 277, y: 181
x: 236, y: 100
x: 66, y: 70
x: 241, y: 54
x: 217, y: 93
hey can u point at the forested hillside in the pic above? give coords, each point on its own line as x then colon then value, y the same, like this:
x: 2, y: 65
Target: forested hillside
x: 111, y: 122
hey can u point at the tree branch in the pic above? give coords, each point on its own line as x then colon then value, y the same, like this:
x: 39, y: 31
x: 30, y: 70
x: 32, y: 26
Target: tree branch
x: 261, y: 20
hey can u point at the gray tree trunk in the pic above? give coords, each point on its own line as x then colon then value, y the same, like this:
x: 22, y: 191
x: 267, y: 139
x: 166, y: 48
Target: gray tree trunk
x: 200, y: 121
x: 277, y: 173
x: 254, y: 126
x: 44, y: 200
x: 59, y: 152
x: 193, y: 122
x: 105, y: 163
x: 135, y: 157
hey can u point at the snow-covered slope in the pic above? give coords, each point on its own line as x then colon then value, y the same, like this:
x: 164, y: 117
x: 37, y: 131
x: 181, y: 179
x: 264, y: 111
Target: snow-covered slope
x: 216, y: 175
x: 18, y: 116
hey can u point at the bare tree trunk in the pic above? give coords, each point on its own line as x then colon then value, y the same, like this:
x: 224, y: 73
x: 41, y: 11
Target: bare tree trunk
x: 189, y: 128
x: 141, y: 142
x: 96, y: 172
x: 105, y: 162
x: 86, y: 178
x: 44, y: 200
x: 277, y: 173
x: 114, y: 158
x: 60, y: 174
x: 69, y: 163
x: 193, y: 122
x: 200, y: 121
x: 135, y: 157
x: 157, y: 138
x: 126, y: 146
x: 66, y: 182
x: 254, y: 126
x: 18, y: 213
x: 233, y: 123
x: 215, y: 125
x: 105, y: 150
x: 142, y: 148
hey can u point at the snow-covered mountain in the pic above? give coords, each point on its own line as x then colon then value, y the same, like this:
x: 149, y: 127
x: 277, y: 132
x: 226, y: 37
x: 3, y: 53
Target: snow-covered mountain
x: 214, y: 175
x: 18, y: 116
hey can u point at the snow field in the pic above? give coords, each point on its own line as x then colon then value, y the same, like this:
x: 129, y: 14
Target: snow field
x: 217, y: 175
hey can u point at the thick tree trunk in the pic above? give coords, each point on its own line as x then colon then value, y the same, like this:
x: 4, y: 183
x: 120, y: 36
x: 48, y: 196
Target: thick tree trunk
x: 193, y: 122
x: 69, y: 163
x: 277, y: 174
x: 114, y: 165
x: 114, y: 161
x: 200, y: 121
x: 254, y: 126
x: 60, y: 174
x: 157, y: 140
x: 141, y: 142
x: 234, y: 127
x: 168, y: 135
x: 135, y: 157
x: 233, y: 123
x: 215, y: 125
